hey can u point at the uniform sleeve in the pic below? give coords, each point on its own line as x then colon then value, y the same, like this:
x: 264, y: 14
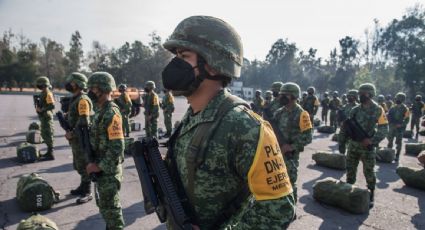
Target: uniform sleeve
x: 128, y: 104
x: 155, y: 105
x: 115, y: 148
x: 406, y: 118
x: 306, y: 135
x: 382, y: 129
x: 84, y: 111
x: 49, y: 102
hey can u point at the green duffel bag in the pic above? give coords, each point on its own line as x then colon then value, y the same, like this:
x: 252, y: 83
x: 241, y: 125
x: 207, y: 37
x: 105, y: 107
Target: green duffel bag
x: 37, y: 222
x: 35, y: 194
x: 421, y: 158
x: 34, y: 137
x: 317, y: 122
x: 27, y: 153
x: 346, y: 196
x: 326, y: 129
x: 128, y: 141
x: 408, y: 134
x: 335, y: 137
x: 330, y: 160
x: 412, y: 177
x: 385, y: 155
x: 422, y: 132
x: 34, y: 126
x: 414, y: 148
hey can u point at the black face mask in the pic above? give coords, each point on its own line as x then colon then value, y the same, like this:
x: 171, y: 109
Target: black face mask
x: 364, y: 98
x: 397, y: 101
x: 179, y: 75
x: 418, y: 100
x: 93, y: 97
x: 69, y: 88
x: 284, y: 100
x: 147, y: 90
x: 275, y: 94
x: 351, y: 99
x: 40, y: 87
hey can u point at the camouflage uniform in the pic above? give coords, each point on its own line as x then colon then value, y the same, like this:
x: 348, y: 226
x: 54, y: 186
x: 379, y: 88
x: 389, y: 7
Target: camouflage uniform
x: 238, y: 152
x: 267, y: 104
x: 258, y: 102
x: 398, y: 118
x: 344, y: 99
x: 346, y: 109
x: 311, y: 103
x: 389, y: 102
x: 47, y: 105
x: 325, y: 108
x: 167, y: 106
x: 294, y: 128
x: 381, y: 102
x: 275, y: 104
x: 418, y: 109
x: 334, y: 106
x: 151, y: 103
x: 107, y: 142
x: 125, y: 104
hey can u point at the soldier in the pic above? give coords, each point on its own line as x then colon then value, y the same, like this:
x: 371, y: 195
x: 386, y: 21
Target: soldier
x: 344, y: 99
x: 311, y: 103
x: 398, y: 118
x: 167, y: 106
x: 80, y: 110
x: 381, y: 102
x: 258, y: 103
x: 44, y: 111
x: 371, y: 118
x: 304, y: 97
x: 334, y: 106
x: 107, y: 143
x: 228, y: 181
x: 325, y: 107
x: 151, y: 104
x: 351, y: 103
x: 125, y: 104
x: 275, y: 104
x: 418, y: 109
x: 268, y: 99
x: 389, y: 101
x: 293, y: 128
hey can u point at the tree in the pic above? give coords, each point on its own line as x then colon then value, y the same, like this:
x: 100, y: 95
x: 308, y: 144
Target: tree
x: 75, y: 54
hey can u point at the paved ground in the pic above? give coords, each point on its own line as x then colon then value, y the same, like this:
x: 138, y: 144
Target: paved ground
x: 396, y: 206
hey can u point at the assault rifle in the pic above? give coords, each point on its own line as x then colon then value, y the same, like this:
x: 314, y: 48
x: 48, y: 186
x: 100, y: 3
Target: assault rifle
x: 159, y: 193
x: 355, y: 132
x: 36, y: 98
x: 62, y: 121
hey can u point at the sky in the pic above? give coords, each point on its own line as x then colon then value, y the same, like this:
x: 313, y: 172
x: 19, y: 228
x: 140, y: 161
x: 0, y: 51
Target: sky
x: 308, y: 23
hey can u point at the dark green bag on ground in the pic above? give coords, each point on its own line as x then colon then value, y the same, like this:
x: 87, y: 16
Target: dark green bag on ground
x: 35, y: 194
x: 385, y: 155
x: 37, y: 222
x: 346, y: 196
x: 326, y: 129
x: 412, y: 177
x: 421, y: 158
x: 317, y: 122
x: 34, y: 126
x: 34, y: 137
x: 422, y: 132
x: 408, y: 134
x: 414, y: 148
x: 330, y: 160
x: 128, y: 141
x: 335, y: 137
x: 27, y: 153
x: 135, y: 126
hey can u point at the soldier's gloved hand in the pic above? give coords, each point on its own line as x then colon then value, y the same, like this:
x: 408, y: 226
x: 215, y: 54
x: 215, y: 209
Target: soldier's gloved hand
x: 341, y: 149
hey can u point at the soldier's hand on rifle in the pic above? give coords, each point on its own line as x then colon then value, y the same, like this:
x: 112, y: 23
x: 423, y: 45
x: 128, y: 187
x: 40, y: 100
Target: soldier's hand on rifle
x: 366, y: 142
x: 92, y: 168
x: 69, y: 135
x: 287, y: 148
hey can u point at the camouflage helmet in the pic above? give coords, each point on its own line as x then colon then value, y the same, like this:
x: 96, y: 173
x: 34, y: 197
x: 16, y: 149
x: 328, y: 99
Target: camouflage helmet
x: 311, y: 89
x: 79, y: 79
x: 102, y: 80
x: 381, y: 98
x: 388, y: 97
x: 325, y: 94
x: 305, y: 94
x: 122, y: 87
x: 213, y: 39
x: 150, y: 85
x: 268, y: 93
x: 42, y: 81
x: 344, y: 96
x: 290, y: 88
x: 353, y: 93
x: 418, y: 97
x: 367, y: 88
x: 400, y: 96
x: 276, y: 86
x: 257, y: 92
x: 335, y: 93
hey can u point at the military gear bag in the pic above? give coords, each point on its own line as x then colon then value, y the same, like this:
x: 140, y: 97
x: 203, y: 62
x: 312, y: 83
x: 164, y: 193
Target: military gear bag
x: 35, y: 194
x: 135, y: 126
x: 37, y: 222
x: 330, y: 160
x: 421, y: 158
x: 27, y: 153
x: 316, y: 122
x: 385, y: 155
x: 34, y: 126
x: 408, y: 134
x: 412, y: 177
x: 325, y: 129
x: 346, y: 196
x: 34, y: 137
x: 414, y: 148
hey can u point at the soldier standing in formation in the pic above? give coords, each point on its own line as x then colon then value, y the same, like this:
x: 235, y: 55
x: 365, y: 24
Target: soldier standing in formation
x: 371, y: 118
x: 275, y: 104
x: 344, y: 99
x: 418, y: 109
x: 334, y: 106
x: 107, y: 143
x: 294, y: 129
x: 226, y: 187
x: 45, y: 113
x: 388, y: 101
x: 325, y: 107
x: 78, y: 117
x: 167, y: 106
x: 268, y: 99
x: 381, y: 102
x: 351, y: 103
x: 398, y: 118
x: 311, y: 103
x: 258, y: 103
x: 151, y: 104
x: 125, y: 104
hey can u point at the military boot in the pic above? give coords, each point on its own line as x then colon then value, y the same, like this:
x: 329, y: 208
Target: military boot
x: 372, y: 197
x: 48, y: 156
x: 77, y: 192
x: 417, y: 136
x: 86, y: 194
x: 397, y: 156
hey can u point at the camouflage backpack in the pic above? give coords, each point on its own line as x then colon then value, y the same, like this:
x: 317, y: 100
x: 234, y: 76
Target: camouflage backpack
x: 35, y: 194
x: 34, y: 137
x: 34, y: 126
x: 27, y: 153
x: 37, y: 222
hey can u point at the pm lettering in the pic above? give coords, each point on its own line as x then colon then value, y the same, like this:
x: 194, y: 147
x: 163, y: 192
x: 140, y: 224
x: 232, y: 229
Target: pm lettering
x: 39, y: 200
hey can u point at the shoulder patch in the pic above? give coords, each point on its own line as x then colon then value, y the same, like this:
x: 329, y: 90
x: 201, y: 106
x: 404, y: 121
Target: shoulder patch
x: 268, y: 178
x: 407, y: 113
x: 83, y: 108
x: 115, y: 128
x: 49, y: 98
x: 155, y: 100
x: 382, y: 118
x: 171, y: 99
x: 316, y: 102
x: 305, y: 123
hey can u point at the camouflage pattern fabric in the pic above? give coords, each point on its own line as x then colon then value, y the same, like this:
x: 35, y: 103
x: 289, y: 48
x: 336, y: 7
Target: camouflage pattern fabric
x: 151, y: 103
x: 228, y: 167
x: 267, y: 114
x: 418, y: 109
x: 389, y: 104
x: 125, y: 104
x: 258, y: 105
x: 374, y: 122
x: 334, y: 106
x: 398, y: 118
x: 274, y: 106
x: 167, y: 106
x: 46, y: 117
x: 295, y: 130
x: 311, y: 104
x: 107, y: 142
x: 325, y: 109
x: 37, y: 222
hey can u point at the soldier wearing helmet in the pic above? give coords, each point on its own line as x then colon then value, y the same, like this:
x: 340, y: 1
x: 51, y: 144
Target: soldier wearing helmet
x: 398, y: 118
x: 294, y: 129
x: 151, y: 104
x: 258, y: 103
x: 381, y: 102
x: 167, y: 106
x: 221, y: 180
x: 389, y: 101
x: 268, y: 99
x: 334, y: 105
x: 325, y: 107
x: 125, y: 104
x: 418, y: 110
x: 274, y: 104
x: 107, y: 143
x: 78, y: 117
x: 44, y: 109
x: 344, y: 99
x: 311, y: 103
x: 372, y: 120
